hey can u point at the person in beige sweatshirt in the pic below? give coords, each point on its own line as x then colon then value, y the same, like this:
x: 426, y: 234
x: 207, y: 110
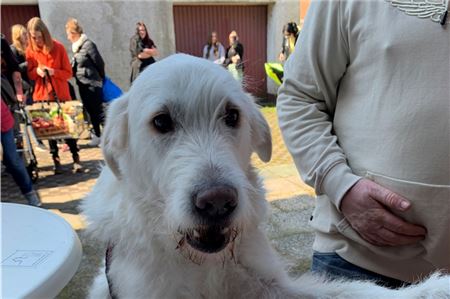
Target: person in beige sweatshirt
x: 365, y: 112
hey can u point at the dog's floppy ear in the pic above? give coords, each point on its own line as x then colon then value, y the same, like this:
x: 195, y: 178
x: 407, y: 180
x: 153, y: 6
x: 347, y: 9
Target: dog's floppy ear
x: 261, y: 137
x: 115, y: 134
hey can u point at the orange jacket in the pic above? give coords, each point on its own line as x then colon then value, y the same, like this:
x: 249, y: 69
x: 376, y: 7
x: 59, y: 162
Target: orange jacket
x: 58, y: 60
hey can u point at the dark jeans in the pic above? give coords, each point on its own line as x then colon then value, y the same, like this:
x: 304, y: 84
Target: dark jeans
x: 92, y: 98
x: 72, y: 143
x: 333, y: 266
x: 14, y: 163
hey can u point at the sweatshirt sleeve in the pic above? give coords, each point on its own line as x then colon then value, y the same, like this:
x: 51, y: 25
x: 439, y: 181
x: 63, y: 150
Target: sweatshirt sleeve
x: 307, y: 100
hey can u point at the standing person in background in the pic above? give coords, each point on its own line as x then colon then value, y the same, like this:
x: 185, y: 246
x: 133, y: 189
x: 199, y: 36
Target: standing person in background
x: 11, y: 83
x: 18, y: 47
x: 89, y: 71
x: 364, y: 111
x: 11, y: 73
x: 143, y: 50
x: 213, y: 50
x: 13, y: 162
x: 290, y: 35
x: 234, y: 57
x: 275, y: 71
x: 48, y: 57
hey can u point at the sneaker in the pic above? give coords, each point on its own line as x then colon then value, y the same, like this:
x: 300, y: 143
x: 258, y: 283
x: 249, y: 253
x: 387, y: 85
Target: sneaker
x: 77, y: 167
x: 33, y: 199
x: 95, y: 141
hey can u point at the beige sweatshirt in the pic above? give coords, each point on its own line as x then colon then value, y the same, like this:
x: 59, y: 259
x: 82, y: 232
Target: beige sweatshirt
x: 366, y: 94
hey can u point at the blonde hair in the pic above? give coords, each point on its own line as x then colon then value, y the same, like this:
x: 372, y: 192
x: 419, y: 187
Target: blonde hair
x: 16, y: 33
x: 36, y: 24
x: 73, y: 26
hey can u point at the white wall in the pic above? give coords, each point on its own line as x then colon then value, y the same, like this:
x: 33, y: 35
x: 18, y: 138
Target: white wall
x: 110, y: 24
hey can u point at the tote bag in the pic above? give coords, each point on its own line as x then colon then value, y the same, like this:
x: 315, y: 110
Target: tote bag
x: 110, y: 90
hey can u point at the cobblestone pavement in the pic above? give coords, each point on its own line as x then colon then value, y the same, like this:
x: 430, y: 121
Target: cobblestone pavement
x: 291, y: 204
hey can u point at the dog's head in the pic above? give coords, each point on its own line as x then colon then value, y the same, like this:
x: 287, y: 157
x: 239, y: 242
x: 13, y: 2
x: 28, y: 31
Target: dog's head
x: 182, y: 138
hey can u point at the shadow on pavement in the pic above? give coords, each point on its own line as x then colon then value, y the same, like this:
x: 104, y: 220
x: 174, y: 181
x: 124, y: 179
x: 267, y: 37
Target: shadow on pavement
x: 68, y: 207
x: 91, y: 170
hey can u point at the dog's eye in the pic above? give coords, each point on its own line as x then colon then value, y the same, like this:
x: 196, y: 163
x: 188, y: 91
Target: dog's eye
x: 163, y: 123
x: 232, y: 117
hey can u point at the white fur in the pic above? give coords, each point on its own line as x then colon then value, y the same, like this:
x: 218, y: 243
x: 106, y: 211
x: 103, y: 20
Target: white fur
x: 142, y: 199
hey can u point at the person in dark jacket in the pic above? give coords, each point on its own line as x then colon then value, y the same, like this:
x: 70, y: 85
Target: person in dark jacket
x: 11, y: 82
x: 11, y: 71
x: 19, y: 45
x: 89, y: 71
x: 234, y: 57
x: 143, y: 50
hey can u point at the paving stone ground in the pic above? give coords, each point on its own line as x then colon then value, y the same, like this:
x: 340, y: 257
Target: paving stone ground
x: 291, y: 203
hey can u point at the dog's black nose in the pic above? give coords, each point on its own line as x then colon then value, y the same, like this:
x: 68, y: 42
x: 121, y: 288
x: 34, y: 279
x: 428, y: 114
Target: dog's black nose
x: 216, y: 203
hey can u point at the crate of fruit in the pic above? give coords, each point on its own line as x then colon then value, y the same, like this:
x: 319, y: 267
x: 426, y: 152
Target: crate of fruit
x: 53, y: 121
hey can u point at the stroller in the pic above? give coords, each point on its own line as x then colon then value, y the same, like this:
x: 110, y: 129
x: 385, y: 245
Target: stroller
x: 24, y: 144
x: 23, y: 132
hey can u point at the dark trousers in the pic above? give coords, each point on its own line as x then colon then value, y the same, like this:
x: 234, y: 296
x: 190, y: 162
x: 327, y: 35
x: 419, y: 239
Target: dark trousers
x: 92, y: 98
x: 72, y: 143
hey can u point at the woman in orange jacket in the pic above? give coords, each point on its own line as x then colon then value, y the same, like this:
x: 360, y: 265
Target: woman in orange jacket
x: 48, y: 57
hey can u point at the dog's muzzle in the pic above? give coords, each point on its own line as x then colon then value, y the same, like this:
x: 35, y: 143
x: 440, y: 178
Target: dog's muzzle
x: 210, y: 239
x: 213, y: 209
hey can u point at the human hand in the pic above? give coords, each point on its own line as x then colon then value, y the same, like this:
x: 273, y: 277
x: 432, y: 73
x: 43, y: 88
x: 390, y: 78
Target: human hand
x: 144, y: 55
x: 40, y: 71
x: 365, y: 208
x: 20, y: 98
x: 282, y: 57
x: 152, y: 52
x: 51, y: 71
x: 155, y: 52
x: 235, y: 59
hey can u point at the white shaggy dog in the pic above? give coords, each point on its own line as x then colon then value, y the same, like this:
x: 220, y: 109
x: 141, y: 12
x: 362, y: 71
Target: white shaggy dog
x: 180, y: 204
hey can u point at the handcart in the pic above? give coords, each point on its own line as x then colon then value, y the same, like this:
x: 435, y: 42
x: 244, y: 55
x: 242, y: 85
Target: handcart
x: 56, y: 120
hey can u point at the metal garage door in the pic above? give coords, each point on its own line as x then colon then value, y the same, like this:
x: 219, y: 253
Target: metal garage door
x: 194, y: 23
x: 16, y: 14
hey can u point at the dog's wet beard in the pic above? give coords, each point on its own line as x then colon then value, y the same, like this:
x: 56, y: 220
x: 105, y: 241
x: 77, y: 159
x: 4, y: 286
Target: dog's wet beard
x: 198, y: 256
x: 209, y: 239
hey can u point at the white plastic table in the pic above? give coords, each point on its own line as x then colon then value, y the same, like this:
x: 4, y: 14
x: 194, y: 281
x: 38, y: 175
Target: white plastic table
x: 40, y: 252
